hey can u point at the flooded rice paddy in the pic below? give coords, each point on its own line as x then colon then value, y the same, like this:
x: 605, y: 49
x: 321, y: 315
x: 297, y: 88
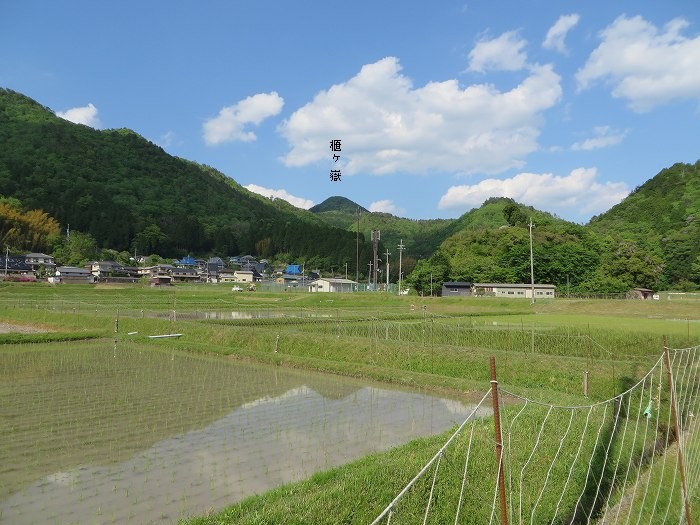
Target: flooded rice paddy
x: 90, y: 433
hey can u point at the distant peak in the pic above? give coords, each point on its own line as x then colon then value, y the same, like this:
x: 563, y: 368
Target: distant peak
x: 337, y: 203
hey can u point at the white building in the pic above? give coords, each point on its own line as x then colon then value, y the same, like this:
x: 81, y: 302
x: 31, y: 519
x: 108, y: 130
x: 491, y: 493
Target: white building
x: 522, y: 291
x: 332, y: 285
x: 243, y: 276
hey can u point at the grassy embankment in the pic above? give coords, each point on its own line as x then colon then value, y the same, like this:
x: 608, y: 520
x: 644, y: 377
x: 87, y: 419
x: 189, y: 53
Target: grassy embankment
x: 541, y: 350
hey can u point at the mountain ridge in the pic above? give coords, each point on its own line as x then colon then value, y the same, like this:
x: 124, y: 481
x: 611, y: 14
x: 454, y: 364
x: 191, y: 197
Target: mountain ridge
x: 128, y: 193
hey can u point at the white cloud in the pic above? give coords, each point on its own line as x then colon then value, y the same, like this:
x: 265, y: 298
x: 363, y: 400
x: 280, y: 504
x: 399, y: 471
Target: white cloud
x: 166, y: 140
x: 504, y: 53
x: 644, y: 65
x: 386, y: 206
x: 299, y: 202
x: 557, y: 33
x: 228, y: 125
x: 604, y: 137
x: 83, y: 115
x: 577, y: 194
x: 386, y: 125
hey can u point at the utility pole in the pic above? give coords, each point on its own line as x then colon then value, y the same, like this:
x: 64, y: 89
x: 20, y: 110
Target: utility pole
x: 532, y: 265
x: 387, y: 254
x: 375, y: 243
x: 369, y: 276
x: 7, y: 254
x: 401, y: 249
x: 357, y: 247
x: 346, y: 271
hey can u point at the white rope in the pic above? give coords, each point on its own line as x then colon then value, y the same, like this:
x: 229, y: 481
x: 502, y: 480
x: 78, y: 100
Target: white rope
x: 644, y: 447
x: 510, y: 477
x: 692, y: 428
x: 616, y: 492
x: 675, y: 470
x: 432, y: 489
x: 551, y: 466
x: 464, y: 476
x: 634, y: 442
x: 679, y: 436
x: 590, y: 461
x: 663, y: 463
x: 616, y: 418
x: 523, y: 398
x: 432, y: 460
x: 495, y: 491
x: 573, y: 463
x: 522, y: 471
x: 619, y: 455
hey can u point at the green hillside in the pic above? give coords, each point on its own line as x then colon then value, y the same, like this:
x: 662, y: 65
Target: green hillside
x: 492, y: 244
x: 663, y: 216
x: 130, y: 194
x: 420, y: 237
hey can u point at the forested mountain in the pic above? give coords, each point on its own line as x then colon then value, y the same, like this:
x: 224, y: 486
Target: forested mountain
x: 125, y: 193
x: 420, y: 237
x: 492, y: 244
x: 662, y: 216
x: 128, y: 193
x: 340, y: 205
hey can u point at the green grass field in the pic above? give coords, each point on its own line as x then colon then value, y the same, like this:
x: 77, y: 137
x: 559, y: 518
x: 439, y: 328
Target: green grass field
x: 542, y: 352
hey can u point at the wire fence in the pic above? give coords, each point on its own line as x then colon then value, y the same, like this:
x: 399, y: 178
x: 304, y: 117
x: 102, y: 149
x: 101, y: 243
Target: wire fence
x: 632, y: 458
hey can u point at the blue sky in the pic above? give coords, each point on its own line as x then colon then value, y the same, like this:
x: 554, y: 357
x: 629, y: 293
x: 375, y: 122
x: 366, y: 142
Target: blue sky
x: 566, y: 106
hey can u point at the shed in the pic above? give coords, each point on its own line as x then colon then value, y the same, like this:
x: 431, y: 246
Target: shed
x: 640, y: 293
x: 456, y: 289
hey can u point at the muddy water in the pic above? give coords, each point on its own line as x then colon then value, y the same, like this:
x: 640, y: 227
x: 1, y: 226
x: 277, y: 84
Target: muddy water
x: 93, y: 435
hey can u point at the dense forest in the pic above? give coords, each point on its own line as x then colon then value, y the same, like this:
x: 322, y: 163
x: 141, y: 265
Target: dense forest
x: 120, y: 193
x: 128, y: 194
x: 650, y: 240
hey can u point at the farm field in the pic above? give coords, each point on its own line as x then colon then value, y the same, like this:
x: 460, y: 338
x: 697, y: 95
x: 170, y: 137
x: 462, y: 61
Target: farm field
x: 543, y: 352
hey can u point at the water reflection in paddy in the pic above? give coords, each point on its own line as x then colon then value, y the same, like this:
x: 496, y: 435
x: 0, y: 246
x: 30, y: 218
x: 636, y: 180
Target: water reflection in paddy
x: 142, y: 437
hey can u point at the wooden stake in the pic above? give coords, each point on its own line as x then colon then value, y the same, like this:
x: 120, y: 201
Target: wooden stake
x: 499, y: 441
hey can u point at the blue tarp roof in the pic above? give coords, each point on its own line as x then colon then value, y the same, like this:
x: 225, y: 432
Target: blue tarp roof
x: 293, y: 269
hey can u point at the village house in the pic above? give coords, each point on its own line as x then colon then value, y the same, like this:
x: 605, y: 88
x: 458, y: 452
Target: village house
x: 332, y: 285
x: 72, y: 274
x: 243, y: 276
x: 184, y: 275
x: 16, y: 267
x: 39, y: 260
